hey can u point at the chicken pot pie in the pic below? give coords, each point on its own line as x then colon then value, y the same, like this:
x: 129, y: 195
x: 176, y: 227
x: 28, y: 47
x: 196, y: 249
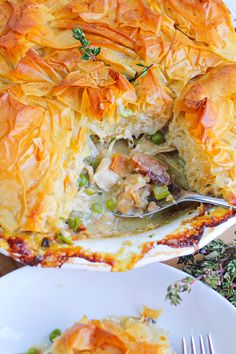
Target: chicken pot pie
x: 81, y: 134
x: 112, y: 335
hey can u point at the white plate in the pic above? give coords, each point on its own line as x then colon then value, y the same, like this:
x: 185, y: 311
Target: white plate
x: 36, y: 301
x: 231, y: 5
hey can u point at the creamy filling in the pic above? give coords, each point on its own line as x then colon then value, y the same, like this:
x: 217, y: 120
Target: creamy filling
x: 124, y: 176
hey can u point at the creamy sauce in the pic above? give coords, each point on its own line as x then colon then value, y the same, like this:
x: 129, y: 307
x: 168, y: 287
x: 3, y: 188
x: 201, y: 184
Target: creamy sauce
x: 108, y: 225
x: 105, y: 224
x: 119, y: 226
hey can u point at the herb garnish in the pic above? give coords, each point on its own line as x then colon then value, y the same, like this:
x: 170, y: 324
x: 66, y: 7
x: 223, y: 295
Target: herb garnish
x: 86, y: 50
x: 217, y: 269
x: 141, y: 73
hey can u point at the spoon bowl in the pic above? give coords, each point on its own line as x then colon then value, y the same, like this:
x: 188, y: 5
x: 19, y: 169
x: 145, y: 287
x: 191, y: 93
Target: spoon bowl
x: 180, y: 196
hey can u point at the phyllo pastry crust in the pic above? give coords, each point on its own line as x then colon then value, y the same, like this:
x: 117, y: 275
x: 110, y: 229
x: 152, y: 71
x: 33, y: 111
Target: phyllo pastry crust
x: 207, y: 22
x: 52, y: 101
x: 41, y: 157
x: 204, y: 132
x: 113, y: 336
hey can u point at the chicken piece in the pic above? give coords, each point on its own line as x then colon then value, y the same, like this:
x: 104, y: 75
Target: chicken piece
x: 135, y: 194
x: 125, y: 202
x: 104, y: 177
x: 152, y: 206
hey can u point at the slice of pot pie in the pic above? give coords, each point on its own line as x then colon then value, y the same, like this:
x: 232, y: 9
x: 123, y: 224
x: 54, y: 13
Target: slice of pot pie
x: 61, y: 113
x: 204, y: 132
x: 114, y: 336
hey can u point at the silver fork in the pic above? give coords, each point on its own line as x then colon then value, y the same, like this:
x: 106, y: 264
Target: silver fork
x: 201, y: 345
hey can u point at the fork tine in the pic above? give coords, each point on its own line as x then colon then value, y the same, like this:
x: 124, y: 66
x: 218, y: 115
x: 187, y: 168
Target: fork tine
x: 193, y: 346
x: 202, y: 348
x: 184, y: 347
x: 210, y: 343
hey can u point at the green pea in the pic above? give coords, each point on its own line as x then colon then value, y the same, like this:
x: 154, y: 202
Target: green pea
x: 161, y: 192
x: 158, y: 138
x: 97, y: 208
x: 32, y: 350
x: 74, y: 222
x: 110, y: 204
x: 90, y: 191
x: 63, y: 238
x: 83, y: 180
x: 54, y: 334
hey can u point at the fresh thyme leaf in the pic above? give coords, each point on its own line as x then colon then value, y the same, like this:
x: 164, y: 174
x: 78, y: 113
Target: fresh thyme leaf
x: 217, y: 269
x: 174, y: 290
x: 87, y: 52
x: 144, y: 72
x: 186, y: 259
x: 231, y: 267
x: 79, y: 34
x: 142, y: 65
x: 141, y: 73
x: 96, y: 50
x: 232, y: 298
x: 85, y: 57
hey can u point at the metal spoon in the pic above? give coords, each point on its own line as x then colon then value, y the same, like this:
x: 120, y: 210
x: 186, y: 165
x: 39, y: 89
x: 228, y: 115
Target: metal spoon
x: 180, y: 197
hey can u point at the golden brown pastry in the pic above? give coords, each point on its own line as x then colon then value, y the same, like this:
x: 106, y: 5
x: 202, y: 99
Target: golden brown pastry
x: 41, y: 156
x: 207, y: 22
x: 113, y: 336
x: 204, y: 132
x: 52, y: 100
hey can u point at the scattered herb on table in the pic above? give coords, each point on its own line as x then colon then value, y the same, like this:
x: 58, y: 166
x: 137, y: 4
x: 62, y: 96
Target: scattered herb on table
x: 217, y: 269
x: 141, y: 73
x: 87, y: 51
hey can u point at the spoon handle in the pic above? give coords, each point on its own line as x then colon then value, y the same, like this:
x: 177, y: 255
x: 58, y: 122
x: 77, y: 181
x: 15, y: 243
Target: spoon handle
x: 194, y: 197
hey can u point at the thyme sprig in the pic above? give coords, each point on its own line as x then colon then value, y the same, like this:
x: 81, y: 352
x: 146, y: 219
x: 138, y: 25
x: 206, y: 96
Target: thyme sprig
x: 87, y: 51
x: 141, y: 73
x: 217, y: 269
x: 181, y: 286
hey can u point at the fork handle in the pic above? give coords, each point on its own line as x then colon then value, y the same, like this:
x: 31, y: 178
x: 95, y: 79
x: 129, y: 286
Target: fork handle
x: 194, y: 197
